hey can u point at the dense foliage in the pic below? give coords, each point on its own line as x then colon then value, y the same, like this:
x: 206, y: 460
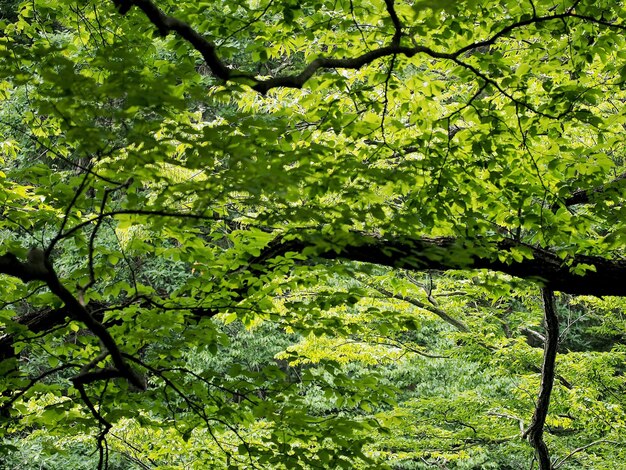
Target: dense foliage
x: 313, y: 234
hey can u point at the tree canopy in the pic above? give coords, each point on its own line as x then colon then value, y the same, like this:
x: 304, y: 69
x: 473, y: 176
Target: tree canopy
x: 314, y: 234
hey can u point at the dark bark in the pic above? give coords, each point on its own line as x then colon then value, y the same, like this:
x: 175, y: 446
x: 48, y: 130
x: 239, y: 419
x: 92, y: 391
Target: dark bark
x: 36, y: 269
x: 585, y: 196
x: 545, y: 267
x: 166, y: 24
x: 534, y: 433
x: 36, y: 322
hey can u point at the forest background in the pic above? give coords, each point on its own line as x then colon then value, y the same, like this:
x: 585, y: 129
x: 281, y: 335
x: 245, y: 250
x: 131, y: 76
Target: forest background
x: 312, y: 234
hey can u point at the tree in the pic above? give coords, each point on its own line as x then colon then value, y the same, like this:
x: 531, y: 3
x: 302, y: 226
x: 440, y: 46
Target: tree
x: 169, y: 164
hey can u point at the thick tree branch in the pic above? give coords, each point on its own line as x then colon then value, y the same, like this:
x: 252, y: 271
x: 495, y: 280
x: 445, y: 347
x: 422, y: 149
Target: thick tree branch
x: 534, y: 433
x: 443, y: 254
x: 36, y: 269
x: 419, y: 254
x: 12, y: 266
x: 97, y: 328
x: 166, y: 24
x: 391, y: 9
x: 585, y: 196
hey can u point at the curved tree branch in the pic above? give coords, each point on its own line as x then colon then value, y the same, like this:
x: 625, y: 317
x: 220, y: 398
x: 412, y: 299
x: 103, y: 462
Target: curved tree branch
x: 105, y: 426
x: 42, y: 270
x: 586, y: 446
x: 540, y: 265
x: 458, y: 324
x: 166, y: 24
x: 603, y: 277
x: 534, y: 433
x: 585, y: 196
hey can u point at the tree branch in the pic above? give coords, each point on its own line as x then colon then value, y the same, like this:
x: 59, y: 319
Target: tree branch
x: 397, y: 24
x: 33, y: 381
x: 534, y: 433
x: 105, y: 426
x: 418, y: 254
x: 166, y: 24
x: 458, y: 324
x: 12, y: 266
x: 586, y: 446
x: 97, y: 328
x: 42, y: 270
x: 533, y: 338
x: 585, y: 196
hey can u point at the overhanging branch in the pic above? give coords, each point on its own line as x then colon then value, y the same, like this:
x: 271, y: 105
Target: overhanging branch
x: 39, y: 268
x: 604, y: 277
x: 585, y: 196
x: 166, y: 24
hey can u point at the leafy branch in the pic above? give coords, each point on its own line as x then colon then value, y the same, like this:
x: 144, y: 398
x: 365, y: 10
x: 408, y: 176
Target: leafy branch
x: 39, y: 268
x: 166, y: 24
x: 602, y: 276
x: 458, y: 324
